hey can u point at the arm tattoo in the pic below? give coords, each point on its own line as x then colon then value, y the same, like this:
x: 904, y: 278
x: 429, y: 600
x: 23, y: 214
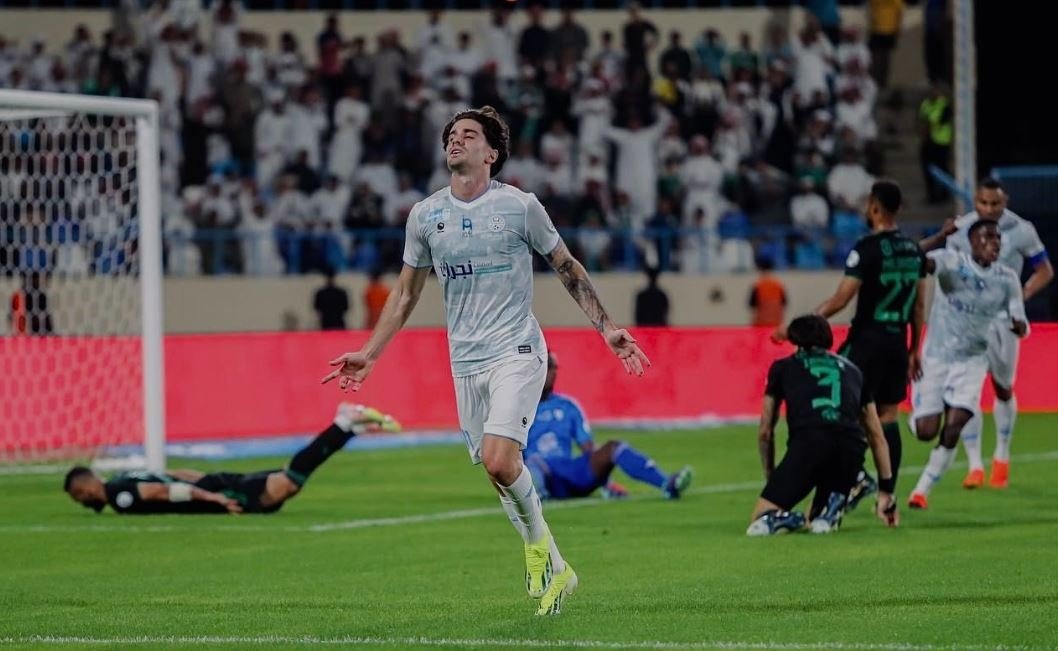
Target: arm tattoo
x: 579, y: 286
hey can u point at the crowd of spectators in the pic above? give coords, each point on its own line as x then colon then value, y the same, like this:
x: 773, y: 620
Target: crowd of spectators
x: 679, y: 150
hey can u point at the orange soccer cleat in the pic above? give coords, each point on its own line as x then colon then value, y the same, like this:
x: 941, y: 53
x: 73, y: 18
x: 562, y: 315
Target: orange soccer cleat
x: 974, y: 479
x: 917, y: 501
x: 1000, y: 474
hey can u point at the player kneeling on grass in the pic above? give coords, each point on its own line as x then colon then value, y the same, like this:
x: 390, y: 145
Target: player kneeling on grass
x: 973, y: 291
x: 827, y: 410
x: 191, y: 491
x: 557, y: 474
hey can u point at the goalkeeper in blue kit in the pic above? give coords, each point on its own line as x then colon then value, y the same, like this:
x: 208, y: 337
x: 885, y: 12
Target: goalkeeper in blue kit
x: 558, y: 474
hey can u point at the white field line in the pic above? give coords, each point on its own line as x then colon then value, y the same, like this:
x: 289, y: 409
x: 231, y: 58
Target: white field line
x: 270, y: 640
x: 441, y: 516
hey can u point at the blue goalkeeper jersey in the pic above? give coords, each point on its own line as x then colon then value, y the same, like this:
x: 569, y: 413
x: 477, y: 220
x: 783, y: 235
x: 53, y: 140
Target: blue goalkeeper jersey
x: 560, y: 423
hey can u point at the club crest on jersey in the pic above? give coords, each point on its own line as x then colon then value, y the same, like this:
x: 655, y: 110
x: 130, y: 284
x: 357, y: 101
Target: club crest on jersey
x: 468, y: 226
x: 496, y: 223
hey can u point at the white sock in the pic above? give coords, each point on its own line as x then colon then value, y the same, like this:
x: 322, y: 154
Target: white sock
x: 525, y: 507
x: 971, y: 441
x: 939, y: 461
x: 1006, y: 412
x: 512, y: 514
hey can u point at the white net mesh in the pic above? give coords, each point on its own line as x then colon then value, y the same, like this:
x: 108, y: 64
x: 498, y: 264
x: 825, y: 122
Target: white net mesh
x: 70, y: 346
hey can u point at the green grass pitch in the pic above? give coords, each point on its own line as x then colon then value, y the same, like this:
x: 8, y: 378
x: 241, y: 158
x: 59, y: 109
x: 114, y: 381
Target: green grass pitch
x: 408, y: 549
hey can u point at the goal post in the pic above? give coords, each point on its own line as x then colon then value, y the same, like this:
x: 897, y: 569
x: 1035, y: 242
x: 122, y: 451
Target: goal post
x: 82, y: 206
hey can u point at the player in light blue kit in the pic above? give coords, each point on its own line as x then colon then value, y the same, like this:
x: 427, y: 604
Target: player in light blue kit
x: 974, y: 292
x: 559, y: 426
x: 1020, y: 244
x: 478, y: 236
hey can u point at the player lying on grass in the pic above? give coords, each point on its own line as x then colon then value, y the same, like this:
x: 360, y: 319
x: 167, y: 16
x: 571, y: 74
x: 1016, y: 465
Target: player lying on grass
x: 560, y: 423
x: 973, y: 291
x: 827, y: 410
x: 191, y: 491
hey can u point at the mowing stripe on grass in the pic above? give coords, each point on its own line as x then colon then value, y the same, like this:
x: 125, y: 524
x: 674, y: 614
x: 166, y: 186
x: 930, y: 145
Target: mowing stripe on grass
x: 441, y: 516
x: 269, y: 640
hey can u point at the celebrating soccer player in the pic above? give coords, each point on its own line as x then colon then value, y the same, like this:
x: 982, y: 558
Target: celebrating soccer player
x: 974, y: 293
x: 478, y: 235
x: 1020, y: 243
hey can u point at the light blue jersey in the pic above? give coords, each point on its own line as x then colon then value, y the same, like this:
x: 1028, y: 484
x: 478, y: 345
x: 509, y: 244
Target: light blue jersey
x: 560, y: 424
x: 969, y: 298
x: 482, y: 253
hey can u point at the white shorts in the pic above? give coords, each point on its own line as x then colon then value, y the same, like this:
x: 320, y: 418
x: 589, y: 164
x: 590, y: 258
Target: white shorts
x: 952, y: 384
x: 1003, y: 346
x: 501, y: 401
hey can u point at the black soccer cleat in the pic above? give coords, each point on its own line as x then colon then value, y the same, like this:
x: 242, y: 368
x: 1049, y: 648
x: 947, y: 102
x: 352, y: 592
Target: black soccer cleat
x: 865, y: 486
x: 830, y: 519
x: 776, y: 522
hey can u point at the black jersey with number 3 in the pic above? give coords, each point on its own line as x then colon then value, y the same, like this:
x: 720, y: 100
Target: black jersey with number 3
x: 822, y: 392
x: 889, y: 266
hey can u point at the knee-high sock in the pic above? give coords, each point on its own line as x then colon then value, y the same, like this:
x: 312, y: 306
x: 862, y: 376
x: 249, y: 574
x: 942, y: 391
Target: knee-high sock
x: 896, y: 446
x: 939, y: 461
x: 971, y: 440
x: 638, y: 466
x: 315, y: 453
x: 1006, y: 412
x: 512, y: 515
x: 523, y: 507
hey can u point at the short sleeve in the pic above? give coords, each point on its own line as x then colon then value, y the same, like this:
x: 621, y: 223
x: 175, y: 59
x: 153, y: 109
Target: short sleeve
x: 416, y: 248
x: 539, y: 231
x: 960, y: 239
x: 944, y: 260
x: 774, y: 386
x: 856, y: 260
x: 1032, y: 248
x: 122, y: 494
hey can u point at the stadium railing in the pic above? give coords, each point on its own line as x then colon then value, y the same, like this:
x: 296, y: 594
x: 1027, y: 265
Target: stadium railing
x: 735, y: 248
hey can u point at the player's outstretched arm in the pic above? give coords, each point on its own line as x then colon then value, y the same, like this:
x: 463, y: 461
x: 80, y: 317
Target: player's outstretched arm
x: 576, y: 281
x: 940, y: 238
x: 182, y: 492
x: 353, y: 368
x: 846, y: 290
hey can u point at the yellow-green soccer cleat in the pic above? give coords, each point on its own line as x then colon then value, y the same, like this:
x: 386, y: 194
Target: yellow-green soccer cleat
x: 538, y: 567
x: 562, y: 585
x: 367, y: 420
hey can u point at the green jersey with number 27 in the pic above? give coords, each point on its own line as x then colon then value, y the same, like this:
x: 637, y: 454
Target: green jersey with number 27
x: 889, y: 266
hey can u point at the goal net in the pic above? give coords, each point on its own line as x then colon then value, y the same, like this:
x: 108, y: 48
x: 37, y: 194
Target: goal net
x: 80, y: 281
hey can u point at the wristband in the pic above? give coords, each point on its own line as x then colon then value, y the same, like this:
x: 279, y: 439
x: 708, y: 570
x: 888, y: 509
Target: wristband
x: 887, y: 485
x: 179, y: 492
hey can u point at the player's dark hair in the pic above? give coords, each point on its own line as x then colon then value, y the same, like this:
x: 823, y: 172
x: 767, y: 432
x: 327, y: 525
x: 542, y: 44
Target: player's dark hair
x: 978, y: 225
x: 990, y: 183
x: 492, y: 125
x: 810, y: 331
x: 75, y: 473
x: 888, y: 194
